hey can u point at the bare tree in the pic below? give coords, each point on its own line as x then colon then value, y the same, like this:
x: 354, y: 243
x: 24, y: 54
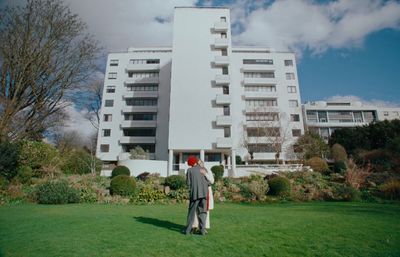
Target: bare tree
x: 266, y: 131
x: 93, y: 106
x: 45, y: 55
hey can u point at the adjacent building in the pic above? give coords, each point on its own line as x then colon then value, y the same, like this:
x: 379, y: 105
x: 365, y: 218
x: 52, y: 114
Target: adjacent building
x: 202, y: 96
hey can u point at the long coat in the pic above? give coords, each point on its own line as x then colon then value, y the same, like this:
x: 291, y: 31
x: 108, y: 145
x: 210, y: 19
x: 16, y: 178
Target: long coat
x: 198, y: 185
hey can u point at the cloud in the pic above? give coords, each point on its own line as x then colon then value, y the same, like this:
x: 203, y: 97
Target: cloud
x: 78, y: 122
x: 353, y: 98
x: 297, y: 25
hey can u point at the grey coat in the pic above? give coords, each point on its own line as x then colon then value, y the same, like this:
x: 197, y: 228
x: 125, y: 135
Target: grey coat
x: 198, y: 185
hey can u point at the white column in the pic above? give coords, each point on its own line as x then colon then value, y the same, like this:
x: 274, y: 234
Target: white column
x: 170, y: 161
x: 202, y: 155
x: 229, y: 161
x: 233, y: 163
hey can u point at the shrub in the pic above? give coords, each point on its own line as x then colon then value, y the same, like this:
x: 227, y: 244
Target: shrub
x: 218, y: 171
x: 180, y: 195
x: 175, y: 182
x: 258, y: 188
x: 43, y: 158
x: 139, y: 154
x: 120, y: 170
x: 9, y: 154
x: 339, y: 167
x: 317, y: 164
x: 122, y: 185
x: 343, y: 192
x: 56, y: 192
x: 391, y: 189
x: 238, y: 160
x: 79, y: 161
x: 355, y: 176
x: 24, y: 174
x: 149, y: 194
x: 338, y: 153
x: 279, y: 186
x: 143, y: 176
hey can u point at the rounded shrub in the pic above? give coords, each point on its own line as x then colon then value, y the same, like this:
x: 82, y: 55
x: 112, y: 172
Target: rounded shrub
x: 391, y: 189
x: 120, y: 170
x: 258, y: 189
x: 80, y: 162
x: 279, y: 186
x: 218, y: 171
x: 338, y: 153
x: 175, y: 182
x: 56, y: 192
x: 123, y: 185
x: 339, y: 167
x: 9, y: 154
x: 24, y: 174
x: 317, y: 164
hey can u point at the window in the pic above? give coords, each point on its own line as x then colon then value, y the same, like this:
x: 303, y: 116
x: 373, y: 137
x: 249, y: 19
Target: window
x: 142, y: 87
x: 261, y: 103
x: 106, y: 132
x: 288, y: 62
x: 224, y: 52
x: 223, y: 35
x: 265, y: 116
x: 227, y: 132
x: 225, y: 90
x: 112, y: 75
x: 385, y: 113
x: 113, y: 62
x: 104, y: 148
x: 290, y: 76
x: 110, y: 89
x: 151, y: 148
x: 140, y: 132
x: 227, y: 111
x: 294, y: 117
x: 140, y: 116
x: 263, y: 132
x: 258, y: 61
x: 144, y: 61
x: 257, y: 88
x: 109, y: 103
x: 223, y: 19
x: 268, y: 74
x: 141, y: 102
x: 293, y: 103
x: 296, y: 132
x: 225, y: 70
x: 212, y: 157
x: 291, y: 89
x: 140, y: 75
x: 107, y: 117
x: 263, y: 148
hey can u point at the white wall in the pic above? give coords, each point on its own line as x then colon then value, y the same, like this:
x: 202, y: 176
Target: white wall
x: 139, y: 166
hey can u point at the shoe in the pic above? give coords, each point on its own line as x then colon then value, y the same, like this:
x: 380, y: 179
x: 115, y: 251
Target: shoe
x: 203, y: 232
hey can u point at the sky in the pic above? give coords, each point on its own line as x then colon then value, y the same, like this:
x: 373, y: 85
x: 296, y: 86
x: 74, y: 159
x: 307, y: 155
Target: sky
x: 345, y: 49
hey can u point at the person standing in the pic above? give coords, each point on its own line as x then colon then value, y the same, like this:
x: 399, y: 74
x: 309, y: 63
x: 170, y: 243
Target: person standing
x: 198, y: 190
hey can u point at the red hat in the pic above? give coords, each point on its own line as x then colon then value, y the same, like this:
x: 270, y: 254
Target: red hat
x: 192, y: 160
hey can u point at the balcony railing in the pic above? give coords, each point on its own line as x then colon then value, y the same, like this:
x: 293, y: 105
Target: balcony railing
x: 139, y: 109
x: 137, y: 140
x: 130, y: 94
x: 143, y: 67
x: 221, y: 43
x: 223, y: 99
x: 258, y: 67
x: 149, y: 80
x: 223, y: 120
x: 220, y: 26
x: 221, y: 60
x: 259, y: 81
x: 224, y: 142
x: 138, y: 124
x: 222, y: 79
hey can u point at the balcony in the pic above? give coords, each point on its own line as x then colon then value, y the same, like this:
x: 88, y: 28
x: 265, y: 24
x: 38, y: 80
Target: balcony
x: 130, y: 94
x: 143, y: 67
x: 259, y: 81
x: 258, y: 94
x: 150, y: 80
x: 222, y: 79
x: 138, y: 124
x: 224, y: 142
x: 221, y: 43
x: 129, y: 109
x: 258, y: 67
x: 137, y: 140
x: 223, y: 120
x: 220, y: 26
x: 221, y: 61
x: 223, y: 99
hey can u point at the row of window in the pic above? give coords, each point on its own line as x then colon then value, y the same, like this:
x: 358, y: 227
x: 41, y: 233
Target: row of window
x: 269, y: 132
x: 256, y: 88
x: 266, y: 62
x: 114, y: 62
x: 254, y: 103
x: 150, y: 148
x: 269, y: 116
x: 340, y: 116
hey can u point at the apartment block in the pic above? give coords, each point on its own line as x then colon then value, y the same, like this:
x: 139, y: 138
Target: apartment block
x: 202, y: 96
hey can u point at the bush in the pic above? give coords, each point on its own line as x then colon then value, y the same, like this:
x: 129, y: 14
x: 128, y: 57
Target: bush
x: 343, y: 192
x: 41, y: 157
x: 58, y: 192
x: 338, y: 153
x: 339, y: 167
x: 143, y: 176
x: 279, y: 186
x: 120, y: 170
x: 180, y: 196
x: 149, y: 194
x: 80, y: 162
x: 238, y: 160
x: 391, y: 189
x: 9, y: 154
x: 175, y: 182
x: 259, y: 189
x: 122, y: 185
x: 24, y: 174
x: 218, y: 171
x: 317, y: 164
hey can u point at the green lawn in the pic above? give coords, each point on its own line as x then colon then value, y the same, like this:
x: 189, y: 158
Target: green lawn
x: 311, y: 229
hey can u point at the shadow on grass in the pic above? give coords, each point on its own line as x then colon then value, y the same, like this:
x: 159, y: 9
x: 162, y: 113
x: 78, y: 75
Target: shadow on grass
x: 161, y: 223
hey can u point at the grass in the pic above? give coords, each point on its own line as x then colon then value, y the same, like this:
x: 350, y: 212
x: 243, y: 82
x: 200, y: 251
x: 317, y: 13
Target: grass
x: 311, y: 229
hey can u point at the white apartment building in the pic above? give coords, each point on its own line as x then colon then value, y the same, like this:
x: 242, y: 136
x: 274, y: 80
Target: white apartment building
x: 324, y: 117
x: 202, y: 96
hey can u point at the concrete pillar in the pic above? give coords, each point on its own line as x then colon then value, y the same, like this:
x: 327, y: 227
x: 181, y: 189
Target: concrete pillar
x: 202, y: 155
x: 233, y: 174
x: 170, y: 162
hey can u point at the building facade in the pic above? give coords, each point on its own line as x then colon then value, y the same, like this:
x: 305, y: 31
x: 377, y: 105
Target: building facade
x: 324, y: 117
x: 202, y: 96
